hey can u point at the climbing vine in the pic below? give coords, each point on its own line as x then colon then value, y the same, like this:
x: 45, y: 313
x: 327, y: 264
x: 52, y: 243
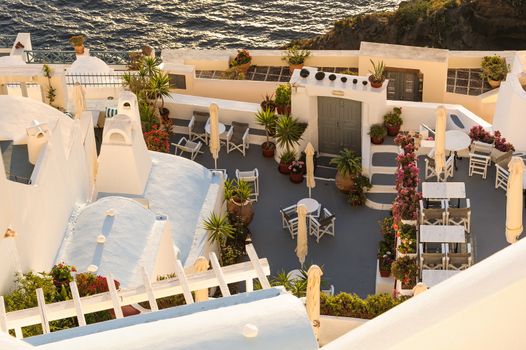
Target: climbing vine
x: 51, y: 92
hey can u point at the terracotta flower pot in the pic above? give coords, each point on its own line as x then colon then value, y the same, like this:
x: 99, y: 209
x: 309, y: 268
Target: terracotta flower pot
x: 385, y: 273
x: 243, y: 211
x: 268, y: 149
x: 392, y: 130
x: 296, y: 178
x: 377, y: 140
x: 283, y: 110
x: 344, y: 183
x: 284, y: 168
x: 375, y: 83
x: 292, y: 67
x: 493, y: 83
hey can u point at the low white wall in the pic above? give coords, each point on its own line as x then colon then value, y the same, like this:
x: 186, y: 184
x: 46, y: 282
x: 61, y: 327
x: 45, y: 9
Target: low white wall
x: 332, y: 327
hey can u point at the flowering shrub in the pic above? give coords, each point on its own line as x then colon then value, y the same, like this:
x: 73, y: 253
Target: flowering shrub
x: 405, y: 270
x: 478, y: 133
x: 296, y: 167
x: 501, y: 144
x: 89, y: 284
x: 404, y: 159
x: 407, y: 176
x: 242, y: 57
x: 406, y: 142
x: 157, y: 140
x: 386, y: 246
x: 61, y: 274
x: 405, y: 205
x: 407, y: 235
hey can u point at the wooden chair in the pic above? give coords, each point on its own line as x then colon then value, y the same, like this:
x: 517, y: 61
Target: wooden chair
x: 432, y: 216
x: 237, y: 138
x: 322, y: 225
x: 432, y: 261
x: 501, y: 170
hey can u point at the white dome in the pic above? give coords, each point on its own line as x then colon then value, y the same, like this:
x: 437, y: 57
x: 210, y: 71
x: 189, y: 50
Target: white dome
x: 17, y: 114
x: 12, y: 60
x: 89, y: 64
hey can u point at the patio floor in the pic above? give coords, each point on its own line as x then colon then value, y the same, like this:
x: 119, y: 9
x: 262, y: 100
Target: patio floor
x: 348, y: 259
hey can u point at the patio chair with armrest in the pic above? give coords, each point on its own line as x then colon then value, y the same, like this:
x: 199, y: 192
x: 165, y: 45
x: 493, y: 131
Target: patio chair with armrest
x: 501, y: 170
x: 459, y: 261
x: 432, y: 216
x: 448, y: 171
x: 196, y: 126
x: 322, y: 225
x: 237, y: 138
x: 432, y: 261
x: 460, y: 216
x: 329, y: 292
x: 187, y: 146
x: 479, y: 158
x: 289, y: 219
x: 252, y: 178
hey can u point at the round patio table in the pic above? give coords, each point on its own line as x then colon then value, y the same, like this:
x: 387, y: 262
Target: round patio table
x: 221, y: 128
x: 456, y: 140
x: 311, y: 204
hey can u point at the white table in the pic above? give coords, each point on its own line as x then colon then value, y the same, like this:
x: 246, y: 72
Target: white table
x: 443, y: 190
x: 442, y: 234
x: 433, y: 277
x: 457, y: 140
x: 221, y: 127
x: 311, y: 204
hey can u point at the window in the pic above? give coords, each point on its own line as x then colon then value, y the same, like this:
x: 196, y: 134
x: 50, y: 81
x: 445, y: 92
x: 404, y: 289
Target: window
x: 178, y: 81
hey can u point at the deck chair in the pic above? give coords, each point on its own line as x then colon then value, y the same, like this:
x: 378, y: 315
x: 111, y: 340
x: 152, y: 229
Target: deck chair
x: 460, y: 216
x: 458, y: 261
x: 196, y: 127
x: 501, y: 170
x: 237, y: 138
x: 187, y: 146
x: 432, y: 261
x: 289, y: 220
x: 252, y: 178
x: 432, y: 216
x: 322, y: 225
x: 479, y: 158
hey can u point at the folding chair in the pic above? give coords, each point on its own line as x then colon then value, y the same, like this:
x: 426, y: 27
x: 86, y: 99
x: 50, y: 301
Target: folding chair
x: 187, y: 146
x: 237, y: 138
x: 252, y: 178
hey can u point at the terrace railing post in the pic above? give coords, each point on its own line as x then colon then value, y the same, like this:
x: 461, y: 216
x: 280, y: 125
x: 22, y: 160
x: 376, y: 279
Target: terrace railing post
x: 149, y: 290
x: 78, y: 304
x: 3, y: 315
x: 42, y: 310
x: 181, y: 276
x: 114, y: 296
x: 265, y: 284
x: 219, y: 275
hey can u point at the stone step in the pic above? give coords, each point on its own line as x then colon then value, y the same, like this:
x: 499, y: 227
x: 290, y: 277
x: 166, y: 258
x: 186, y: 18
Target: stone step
x: 382, y: 189
x: 384, y: 149
x: 382, y: 170
x: 383, y: 179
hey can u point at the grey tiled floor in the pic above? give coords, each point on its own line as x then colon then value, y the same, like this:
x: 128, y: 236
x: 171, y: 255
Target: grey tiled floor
x: 349, y: 258
x: 466, y: 81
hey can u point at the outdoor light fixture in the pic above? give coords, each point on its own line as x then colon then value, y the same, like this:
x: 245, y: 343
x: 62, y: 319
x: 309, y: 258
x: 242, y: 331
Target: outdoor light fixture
x: 101, y: 239
x: 110, y: 212
x: 304, y: 73
x: 9, y: 233
x: 338, y: 92
x: 332, y: 77
x: 343, y: 79
x: 93, y: 268
x: 250, y: 330
x: 320, y: 75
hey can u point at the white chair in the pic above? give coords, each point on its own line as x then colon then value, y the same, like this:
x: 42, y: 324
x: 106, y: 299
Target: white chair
x: 187, y: 146
x: 501, y: 170
x: 196, y: 127
x: 252, y: 178
x: 479, y: 158
x: 329, y: 292
x: 237, y: 138
x: 432, y: 261
x: 324, y: 224
x: 432, y: 216
x: 289, y: 220
x: 460, y: 216
x: 459, y: 261
x: 448, y: 171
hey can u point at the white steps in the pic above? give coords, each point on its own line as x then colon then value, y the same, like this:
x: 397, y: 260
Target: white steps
x: 382, y: 189
x: 380, y: 169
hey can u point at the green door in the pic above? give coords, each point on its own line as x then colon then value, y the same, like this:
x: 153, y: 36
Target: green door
x: 404, y: 84
x: 339, y: 125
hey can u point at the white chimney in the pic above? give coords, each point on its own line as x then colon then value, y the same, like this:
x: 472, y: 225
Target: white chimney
x: 37, y: 136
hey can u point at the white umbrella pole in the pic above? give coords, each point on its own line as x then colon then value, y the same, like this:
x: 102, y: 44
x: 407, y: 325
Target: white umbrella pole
x: 215, y: 164
x: 310, y: 192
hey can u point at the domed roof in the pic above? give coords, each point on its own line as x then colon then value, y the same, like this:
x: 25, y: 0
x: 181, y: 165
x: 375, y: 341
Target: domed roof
x: 89, y: 64
x: 17, y: 114
x: 12, y: 60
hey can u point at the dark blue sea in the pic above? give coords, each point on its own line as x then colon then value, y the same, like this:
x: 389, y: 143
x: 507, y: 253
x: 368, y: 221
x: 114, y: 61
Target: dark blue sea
x: 122, y: 24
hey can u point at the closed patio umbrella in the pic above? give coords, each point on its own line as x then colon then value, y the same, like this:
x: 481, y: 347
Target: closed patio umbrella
x: 514, y: 200
x: 214, y: 132
x: 309, y: 152
x: 200, y: 265
x: 79, y: 100
x: 440, y: 140
x: 313, y: 297
x: 301, y: 247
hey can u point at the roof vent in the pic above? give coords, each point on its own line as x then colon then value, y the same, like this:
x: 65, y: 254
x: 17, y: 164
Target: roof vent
x: 250, y: 330
x: 320, y: 75
x: 304, y: 73
x: 93, y: 268
x: 101, y: 239
x: 160, y: 217
x: 332, y: 77
x: 110, y: 212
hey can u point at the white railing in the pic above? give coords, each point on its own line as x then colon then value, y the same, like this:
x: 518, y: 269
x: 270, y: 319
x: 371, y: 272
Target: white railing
x: 184, y: 283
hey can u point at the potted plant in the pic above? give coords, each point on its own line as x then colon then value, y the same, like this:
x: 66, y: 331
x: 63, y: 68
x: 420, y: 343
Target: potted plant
x: 237, y: 196
x: 405, y: 205
x: 377, y: 76
x: 384, y: 265
x: 377, y: 133
x: 77, y: 41
x: 285, y: 161
x: 349, y: 166
x: 283, y: 96
x: 405, y: 270
x: 494, y: 69
x: 501, y: 146
x: 268, y: 103
x: 393, y: 121
x: 407, y: 240
x: 219, y: 228
x: 478, y: 133
x: 267, y: 119
x: 242, y: 61
x: 296, y: 171
x: 295, y: 57
x: 357, y: 196
x: 159, y: 89
x: 386, y: 246
x: 288, y: 134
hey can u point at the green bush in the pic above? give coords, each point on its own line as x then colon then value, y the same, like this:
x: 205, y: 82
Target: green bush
x: 351, y: 305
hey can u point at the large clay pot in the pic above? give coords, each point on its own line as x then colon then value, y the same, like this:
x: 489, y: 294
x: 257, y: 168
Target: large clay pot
x: 284, y: 168
x: 377, y: 140
x: 374, y: 83
x: 344, y: 183
x: 268, y: 149
x: 243, y: 211
x: 296, y: 178
x: 384, y: 273
x: 494, y: 83
x: 392, y: 130
x: 292, y: 67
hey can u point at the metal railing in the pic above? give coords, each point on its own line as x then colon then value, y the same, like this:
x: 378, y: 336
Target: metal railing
x: 6, y: 40
x: 97, y: 80
x: 67, y: 57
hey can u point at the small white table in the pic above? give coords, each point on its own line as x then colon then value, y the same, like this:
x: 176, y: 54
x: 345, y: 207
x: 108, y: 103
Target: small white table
x: 311, y: 204
x: 433, y: 277
x: 443, y: 190
x: 221, y: 127
x: 442, y: 234
x: 457, y: 140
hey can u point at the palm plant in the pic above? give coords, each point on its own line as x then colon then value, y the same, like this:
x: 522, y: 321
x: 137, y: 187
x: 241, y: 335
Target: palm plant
x: 219, y: 228
x: 377, y: 76
x: 347, y: 162
x: 267, y: 119
x: 159, y: 87
x: 289, y: 131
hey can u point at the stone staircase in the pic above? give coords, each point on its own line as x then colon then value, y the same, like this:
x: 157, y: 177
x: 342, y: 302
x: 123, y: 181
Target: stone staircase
x: 382, y: 170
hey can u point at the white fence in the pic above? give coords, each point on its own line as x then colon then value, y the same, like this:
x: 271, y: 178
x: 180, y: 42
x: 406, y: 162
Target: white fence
x: 184, y: 283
